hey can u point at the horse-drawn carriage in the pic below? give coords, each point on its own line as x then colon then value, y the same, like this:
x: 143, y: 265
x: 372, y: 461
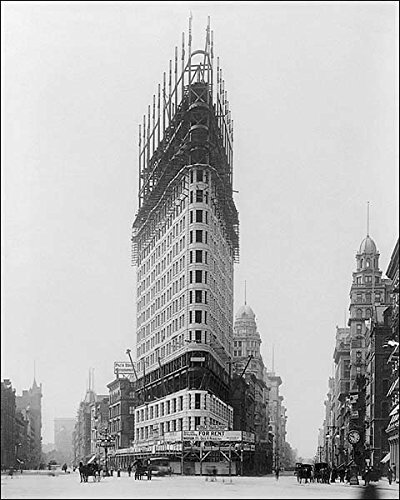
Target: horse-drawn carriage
x: 89, y: 469
x: 304, y: 471
x: 322, y: 472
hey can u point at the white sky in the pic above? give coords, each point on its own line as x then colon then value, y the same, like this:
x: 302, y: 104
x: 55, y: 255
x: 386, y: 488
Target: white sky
x: 313, y: 89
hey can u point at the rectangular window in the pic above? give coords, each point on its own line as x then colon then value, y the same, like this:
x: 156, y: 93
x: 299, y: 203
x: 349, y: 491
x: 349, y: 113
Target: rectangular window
x: 197, y: 335
x: 191, y: 216
x: 199, y: 175
x: 168, y: 407
x: 180, y: 405
x: 199, y: 256
x: 197, y: 401
x: 191, y: 197
x: 196, y: 422
x: 191, y: 257
x: 199, y: 195
x: 199, y: 215
x: 199, y: 236
x: 198, y: 296
x: 198, y: 276
x: 191, y: 236
x: 197, y: 316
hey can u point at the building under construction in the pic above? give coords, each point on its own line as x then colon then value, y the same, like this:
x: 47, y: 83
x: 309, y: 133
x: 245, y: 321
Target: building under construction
x: 185, y: 241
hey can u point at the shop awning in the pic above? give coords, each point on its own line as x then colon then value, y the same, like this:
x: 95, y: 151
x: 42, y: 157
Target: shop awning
x: 386, y: 458
x: 395, y: 410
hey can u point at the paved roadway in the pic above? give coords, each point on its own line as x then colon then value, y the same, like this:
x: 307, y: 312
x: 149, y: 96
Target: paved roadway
x: 69, y: 486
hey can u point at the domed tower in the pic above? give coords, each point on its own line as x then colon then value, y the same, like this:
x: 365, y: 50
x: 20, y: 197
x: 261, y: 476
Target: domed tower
x: 246, y: 342
x: 368, y: 291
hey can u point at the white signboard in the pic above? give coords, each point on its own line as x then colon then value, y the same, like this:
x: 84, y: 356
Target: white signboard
x: 123, y: 367
x: 214, y: 435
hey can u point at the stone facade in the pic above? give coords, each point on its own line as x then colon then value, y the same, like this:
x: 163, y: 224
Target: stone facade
x: 7, y: 424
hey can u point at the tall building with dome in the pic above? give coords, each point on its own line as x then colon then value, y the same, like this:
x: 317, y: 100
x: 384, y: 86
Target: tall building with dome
x: 368, y: 292
x: 247, y: 342
x: 270, y: 420
x: 369, y: 297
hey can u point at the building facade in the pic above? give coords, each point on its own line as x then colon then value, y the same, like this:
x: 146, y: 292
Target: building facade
x: 368, y: 292
x: 8, y: 448
x: 29, y: 404
x: 341, y: 402
x: 378, y: 374
x: 82, y: 434
x: 63, y: 430
x: 185, y: 243
x: 122, y: 404
x: 248, y: 364
x: 392, y: 346
x: 357, y: 402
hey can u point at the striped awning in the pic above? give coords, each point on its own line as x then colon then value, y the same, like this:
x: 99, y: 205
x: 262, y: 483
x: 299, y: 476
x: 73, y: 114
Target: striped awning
x: 386, y: 458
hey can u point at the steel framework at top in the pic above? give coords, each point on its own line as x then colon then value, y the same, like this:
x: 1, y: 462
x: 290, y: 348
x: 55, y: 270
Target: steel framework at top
x: 188, y: 123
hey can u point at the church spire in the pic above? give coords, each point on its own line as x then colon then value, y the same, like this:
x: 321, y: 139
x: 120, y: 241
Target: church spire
x: 34, y: 374
x: 367, y: 218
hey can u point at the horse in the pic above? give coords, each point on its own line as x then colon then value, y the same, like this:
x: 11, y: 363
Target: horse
x: 304, y: 473
x: 91, y: 470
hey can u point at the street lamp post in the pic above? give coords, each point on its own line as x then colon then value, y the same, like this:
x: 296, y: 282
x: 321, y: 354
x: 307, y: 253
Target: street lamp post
x: 106, y: 441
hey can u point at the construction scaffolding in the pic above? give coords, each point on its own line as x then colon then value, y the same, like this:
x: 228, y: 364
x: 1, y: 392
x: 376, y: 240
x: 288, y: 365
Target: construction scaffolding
x: 189, y: 123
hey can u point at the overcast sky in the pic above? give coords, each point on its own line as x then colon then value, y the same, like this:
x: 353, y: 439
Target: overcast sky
x: 313, y: 89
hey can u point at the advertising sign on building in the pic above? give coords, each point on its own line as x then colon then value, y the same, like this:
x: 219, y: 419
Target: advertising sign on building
x: 123, y: 367
x: 217, y: 435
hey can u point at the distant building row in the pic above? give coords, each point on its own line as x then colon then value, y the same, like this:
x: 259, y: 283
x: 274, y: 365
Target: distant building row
x: 21, y: 425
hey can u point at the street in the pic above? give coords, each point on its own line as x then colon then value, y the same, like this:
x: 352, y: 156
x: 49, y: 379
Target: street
x: 69, y: 486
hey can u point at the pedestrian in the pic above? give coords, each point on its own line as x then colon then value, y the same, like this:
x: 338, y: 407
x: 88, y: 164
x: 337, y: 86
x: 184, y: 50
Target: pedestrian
x: 367, y: 476
x: 129, y: 470
x: 214, y: 471
x: 390, y: 475
x: 149, y: 473
x: 118, y: 472
x: 82, y: 471
x: 277, y: 470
